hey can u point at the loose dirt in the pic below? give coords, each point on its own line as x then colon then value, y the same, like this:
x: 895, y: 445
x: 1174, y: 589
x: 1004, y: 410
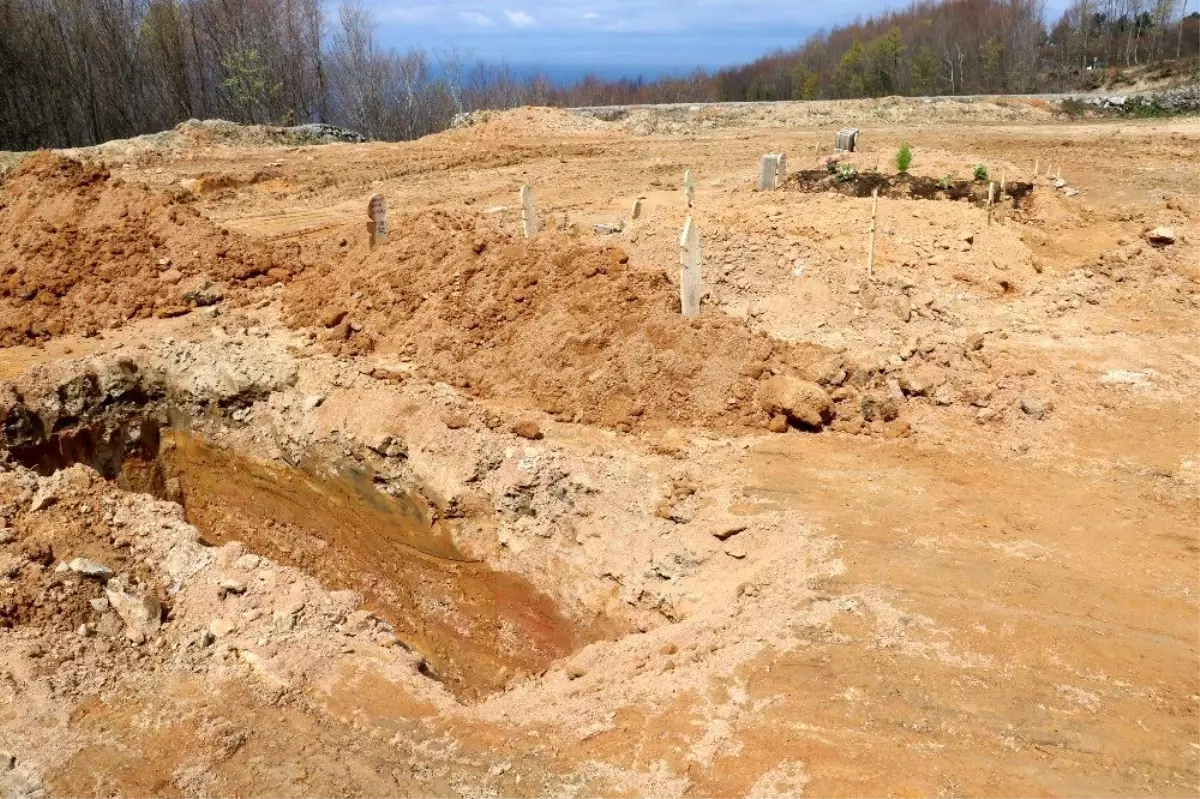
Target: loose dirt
x: 473, y: 514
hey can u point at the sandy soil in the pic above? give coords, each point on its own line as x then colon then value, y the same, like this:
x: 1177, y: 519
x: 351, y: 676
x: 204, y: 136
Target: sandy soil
x: 475, y: 515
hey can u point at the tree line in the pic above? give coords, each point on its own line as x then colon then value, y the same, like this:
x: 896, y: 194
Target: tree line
x: 79, y: 72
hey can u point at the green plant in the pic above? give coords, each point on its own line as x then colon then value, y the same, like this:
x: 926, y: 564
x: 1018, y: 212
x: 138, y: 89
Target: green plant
x: 831, y: 167
x: 846, y: 172
x: 945, y: 181
x: 903, y: 158
x: 980, y: 172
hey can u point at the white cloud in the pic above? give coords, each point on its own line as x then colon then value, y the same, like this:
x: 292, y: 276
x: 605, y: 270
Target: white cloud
x: 591, y: 16
x: 476, y: 18
x: 519, y: 19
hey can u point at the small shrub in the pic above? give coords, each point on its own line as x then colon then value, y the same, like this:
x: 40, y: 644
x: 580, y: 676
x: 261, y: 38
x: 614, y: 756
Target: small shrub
x: 831, y: 167
x: 980, y: 172
x: 903, y: 158
x: 846, y: 172
x: 945, y: 182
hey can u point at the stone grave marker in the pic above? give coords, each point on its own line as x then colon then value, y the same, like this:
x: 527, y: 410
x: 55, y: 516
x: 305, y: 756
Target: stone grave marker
x: 846, y: 139
x: 689, y: 270
x: 768, y: 171
x: 529, y: 218
x: 689, y: 189
x: 377, y: 227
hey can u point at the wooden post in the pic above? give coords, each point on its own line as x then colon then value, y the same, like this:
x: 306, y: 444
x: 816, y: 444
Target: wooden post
x: 874, y: 216
x: 636, y: 211
x: 991, y: 199
x: 529, y: 220
x: 689, y: 270
x: 1036, y: 163
x: 1058, y: 174
x: 689, y: 190
x: 1003, y: 181
x: 377, y: 227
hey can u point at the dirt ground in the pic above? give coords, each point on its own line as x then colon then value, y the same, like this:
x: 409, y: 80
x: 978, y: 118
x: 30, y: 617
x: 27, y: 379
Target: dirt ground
x: 471, y: 514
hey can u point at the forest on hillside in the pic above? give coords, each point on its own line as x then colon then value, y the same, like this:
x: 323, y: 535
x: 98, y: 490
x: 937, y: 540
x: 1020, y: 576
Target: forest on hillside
x: 76, y: 72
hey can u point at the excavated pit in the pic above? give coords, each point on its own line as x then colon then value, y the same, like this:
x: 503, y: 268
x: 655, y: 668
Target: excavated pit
x: 477, y: 629
x: 905, y: 186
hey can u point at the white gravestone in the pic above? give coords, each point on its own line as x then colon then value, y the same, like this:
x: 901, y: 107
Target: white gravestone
x: 377, y: 227
x: 768, y: 171
x: 529, y: 219
x: 689, y: 270
x: 846, y: 139
x: 689, y: 189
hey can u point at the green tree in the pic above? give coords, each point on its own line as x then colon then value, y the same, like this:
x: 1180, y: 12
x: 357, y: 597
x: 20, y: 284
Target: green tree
x: 849, y: 77
x: 883, y: 63
x: 923, y: 71
x: 246, y: 81
x: 805, y: 83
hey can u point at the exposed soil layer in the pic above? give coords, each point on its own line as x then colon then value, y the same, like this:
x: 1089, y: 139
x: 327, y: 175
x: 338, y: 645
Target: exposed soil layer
x: 905, y: 186
x: 83, y: 251
x: 557, y: 323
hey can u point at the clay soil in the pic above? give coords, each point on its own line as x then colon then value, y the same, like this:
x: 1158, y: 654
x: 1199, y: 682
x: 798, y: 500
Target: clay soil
x: 471, y: 514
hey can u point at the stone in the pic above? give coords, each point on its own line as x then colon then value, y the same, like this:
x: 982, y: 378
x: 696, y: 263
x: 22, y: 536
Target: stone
x: 902, y: 307
x: 689, y: 189
x: 608, y: 228
x: 7, y: 536
x: 689, y: 270
x: 377, y: 228
x: 735, y: 550
x: 219, y: 628
x: 333, y: 318
x: 528, y: 429
x: 90, y: 568
x: 575, y: 671
x: 229, y: 586
x: 729, y: 531
x: 201, y: 291
x: 456, y: 420
x: 803, y: 402
x: 921, y: 381
x: 389, y: 446
x: 768, y: 172
x: 1033, y: 406
x: 171, y: 276
x: 1161, y: 236
x: 878, y: 409
x: 8, y: 761
x: 43, y: 498
x: 529, y: 218
x: 100, y: 605
x: 636, y: 211
x: 283, y: 621
x: 846, y: 139
x: 142, y: 613
x: 899, y: 428
x: 778, y: 423
x: 313, y: 402
x: 975, y: 341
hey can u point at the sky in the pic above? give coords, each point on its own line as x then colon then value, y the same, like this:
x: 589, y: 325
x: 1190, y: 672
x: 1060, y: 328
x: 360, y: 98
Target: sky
x: 615, y: 36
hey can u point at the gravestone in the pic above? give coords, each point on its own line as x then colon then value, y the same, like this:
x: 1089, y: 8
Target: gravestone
x: 846, y: 139
x: 689, y: 189
x: 377, y: 227
x: 781, y: 170
x: 768, y: 171
x: 689, y: 270
x: 529, y: 219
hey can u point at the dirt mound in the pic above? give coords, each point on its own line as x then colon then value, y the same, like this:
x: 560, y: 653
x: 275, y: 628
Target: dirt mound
x: 523, y: 122
x: 553, y: 323
x: 85, y: 251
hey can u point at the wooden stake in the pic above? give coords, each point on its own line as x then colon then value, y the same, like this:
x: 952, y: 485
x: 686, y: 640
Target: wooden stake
x: 1058, y: 174
x: 689, y: 189
x: 1035, y: 167
x: 991, y: 199
x: 874, y: 215
x: 1003, y: 176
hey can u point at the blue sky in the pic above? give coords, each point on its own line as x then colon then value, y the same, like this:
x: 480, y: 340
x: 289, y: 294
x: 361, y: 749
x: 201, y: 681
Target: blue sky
x: 633, y: 36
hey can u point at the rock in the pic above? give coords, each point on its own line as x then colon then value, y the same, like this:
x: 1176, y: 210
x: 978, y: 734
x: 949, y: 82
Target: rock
x: 456, y: 420
x: 312, y: 403
x: 201, y: 291
x: 1161, y: 236
x: 735, y: 550
x: 921, y: 381
x: 171, y: 276
x: 1033, y: 406
x: 975, y: 341
x: 219, y: 628
x: 986, y: 415
x: 1059, y: 183
x: 528, y: 429
x: 333, y: 318
x: 729, y: 531
x: 902, y: 307
x: 142, y: 614
x: 284, y: 621
x: 900, y: 428
x: 90, y: 568
x: 778, y: 423
x: 8, y: 761
x: 1070, y: 192
x: 575, y: 671
x: 7, y: 536
x: 945, y: 395
x: 803, y: 402
x: 389, y: 446
x: 875, y: 408
x: 229, y: 586
x: 100, y: 605
x: 42, y: 499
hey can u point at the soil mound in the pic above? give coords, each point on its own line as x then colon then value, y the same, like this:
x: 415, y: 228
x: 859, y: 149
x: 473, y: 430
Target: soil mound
x: 553, y: 323
x: 84, y: 251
